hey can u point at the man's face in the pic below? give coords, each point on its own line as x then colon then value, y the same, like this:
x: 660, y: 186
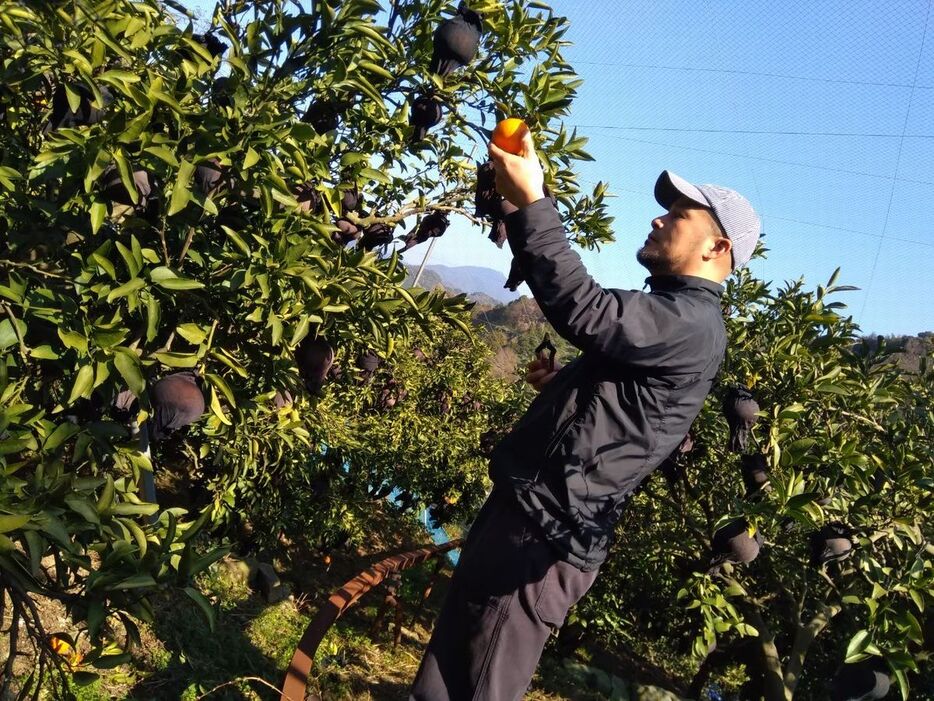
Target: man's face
x: 678, y: 238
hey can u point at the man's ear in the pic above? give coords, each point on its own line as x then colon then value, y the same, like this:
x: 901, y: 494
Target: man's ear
x: 720, y: 247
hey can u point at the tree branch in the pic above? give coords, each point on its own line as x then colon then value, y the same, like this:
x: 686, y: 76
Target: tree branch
x: 804, y: 636
x: 774, y: 683
x: 33, y: 268
x: 23, y: 351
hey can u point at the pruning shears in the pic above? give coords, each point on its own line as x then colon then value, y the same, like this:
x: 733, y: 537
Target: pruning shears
x: 546, y: 344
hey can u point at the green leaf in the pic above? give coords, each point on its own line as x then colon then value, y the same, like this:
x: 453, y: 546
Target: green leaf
x: 153, y: 316
x: 126, y: 176
x: 98, y: 212
x: 136, y: 582
x: 376, y: 175
x: 7, y: 176
x: 83, y: 508
x: 237, y: 241
x: 857, y: 645
x: 112, y: 661
x: 125, y: 508
x: 84, y: 383
x: 73, y: 97
x: 375, y: 68
x: 137, y: 534
x: 192, y: 333
x: 96, y: 617
x: 8, y: 335
x: 164, y: 154
x: 181, y: 195
x: 74, y: 340
x: 43, y: 353
x: 130, y: 369
x: 167, y: 278
x: 126, y: 289
x: 216, y: 408
x: 13, y: 522
x: 206, y: 607
x: 82, y: 678
x: 179, y: 283
x: 176, y: 360
x: 61, y: 434
x: 103, y: 262
x: 106, y: 499
x: 250, y: 159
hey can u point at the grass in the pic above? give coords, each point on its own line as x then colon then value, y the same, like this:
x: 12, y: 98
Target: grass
x: 252, y: 643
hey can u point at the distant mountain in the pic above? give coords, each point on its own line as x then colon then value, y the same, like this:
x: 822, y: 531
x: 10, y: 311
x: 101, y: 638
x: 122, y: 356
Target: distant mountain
x: 473, y: 280
x: 430, y: 280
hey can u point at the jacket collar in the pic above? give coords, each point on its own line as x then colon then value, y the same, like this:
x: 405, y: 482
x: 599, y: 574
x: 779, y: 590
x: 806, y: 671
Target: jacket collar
x: 682, y: 283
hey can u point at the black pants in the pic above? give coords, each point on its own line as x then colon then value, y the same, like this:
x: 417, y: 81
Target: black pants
x: 508, y: 594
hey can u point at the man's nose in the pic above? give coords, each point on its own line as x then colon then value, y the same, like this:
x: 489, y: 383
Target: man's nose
x: 658, y: 222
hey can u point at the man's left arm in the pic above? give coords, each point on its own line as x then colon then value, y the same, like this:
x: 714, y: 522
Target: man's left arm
x: 631, y: 327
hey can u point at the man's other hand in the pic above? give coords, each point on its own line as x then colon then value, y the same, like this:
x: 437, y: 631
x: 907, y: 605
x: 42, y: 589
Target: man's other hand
x: 519, y: 178
x: 540, y: 372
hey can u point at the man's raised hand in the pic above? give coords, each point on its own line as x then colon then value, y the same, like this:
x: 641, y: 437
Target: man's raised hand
x: 519, y: 179
x: 540, y: 372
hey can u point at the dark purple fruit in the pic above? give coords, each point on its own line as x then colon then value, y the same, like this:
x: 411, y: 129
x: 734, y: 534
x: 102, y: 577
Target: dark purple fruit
x: 741, y: 411
x: 314, y: 357
x: 177, y: 402
x: 732, y: 543
x: 833, y: 542
x: 456, y: 41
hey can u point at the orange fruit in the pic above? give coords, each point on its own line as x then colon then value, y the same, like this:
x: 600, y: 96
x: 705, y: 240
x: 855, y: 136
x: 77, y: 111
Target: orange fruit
x: 509, y: 133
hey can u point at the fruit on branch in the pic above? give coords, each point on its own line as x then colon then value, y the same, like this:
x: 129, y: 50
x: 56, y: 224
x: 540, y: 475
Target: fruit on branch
x: 309, y: 199
x: 112, y: 188
x: 755, y: 471
x: 741, y: 411
x: 347, y: 231
x: 509, y: 135
x: 63, y: 117
x: 832, y: 543
x: 368, y: 363
x: 456, y: 41
x: 432, y: 225
x: 378, y: 234
x: 324, y: 115
x: 282, y: 399
x: 208, y: 177
x: 425, y: 113
x: 177, y: 401
x: 214, y: 45
x: 732, y: 543
x: 861, y: 681
x: 350, y: 198
x: 314, y: 357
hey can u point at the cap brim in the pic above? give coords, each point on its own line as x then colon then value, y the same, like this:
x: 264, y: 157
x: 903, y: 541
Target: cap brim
x: 669, y: 187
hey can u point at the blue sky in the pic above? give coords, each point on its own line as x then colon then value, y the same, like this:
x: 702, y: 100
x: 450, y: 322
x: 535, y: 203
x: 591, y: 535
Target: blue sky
x: 821, y: 113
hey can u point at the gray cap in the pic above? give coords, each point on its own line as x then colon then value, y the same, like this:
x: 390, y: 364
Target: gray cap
x: 736, y: 216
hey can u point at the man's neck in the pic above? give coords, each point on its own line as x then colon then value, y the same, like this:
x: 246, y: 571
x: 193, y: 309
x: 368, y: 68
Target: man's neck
x: 706, y: 273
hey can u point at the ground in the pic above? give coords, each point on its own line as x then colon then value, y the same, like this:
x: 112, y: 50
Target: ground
x: 253, y: 641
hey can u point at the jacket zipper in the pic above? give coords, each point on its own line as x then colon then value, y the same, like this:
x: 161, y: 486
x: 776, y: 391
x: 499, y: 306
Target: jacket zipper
x: 562, y: 430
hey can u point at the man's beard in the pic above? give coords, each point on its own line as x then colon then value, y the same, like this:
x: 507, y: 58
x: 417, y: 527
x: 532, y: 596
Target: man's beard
x: 653, y: 261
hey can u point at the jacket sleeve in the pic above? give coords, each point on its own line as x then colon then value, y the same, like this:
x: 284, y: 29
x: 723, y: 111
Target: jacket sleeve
x: 633, y: 328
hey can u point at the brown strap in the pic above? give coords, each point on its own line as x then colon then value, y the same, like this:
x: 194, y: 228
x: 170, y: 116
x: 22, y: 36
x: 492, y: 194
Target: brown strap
x: 294, y: 687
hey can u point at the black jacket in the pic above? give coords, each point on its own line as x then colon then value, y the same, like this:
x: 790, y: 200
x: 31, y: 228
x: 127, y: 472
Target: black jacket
x: 608, y: 418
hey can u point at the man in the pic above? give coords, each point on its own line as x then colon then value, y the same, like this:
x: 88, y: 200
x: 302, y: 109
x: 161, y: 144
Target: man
x: 598, y: 427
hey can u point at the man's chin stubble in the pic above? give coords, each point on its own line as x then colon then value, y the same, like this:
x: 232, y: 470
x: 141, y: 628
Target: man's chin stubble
x: 650, y: 261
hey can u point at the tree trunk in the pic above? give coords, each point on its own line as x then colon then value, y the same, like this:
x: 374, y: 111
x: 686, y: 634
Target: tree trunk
x: 803, y: 639
x: 773, y: 687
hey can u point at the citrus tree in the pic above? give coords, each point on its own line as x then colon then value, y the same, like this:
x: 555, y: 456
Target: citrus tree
x: 843, y: 574
x: 219, y: 206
